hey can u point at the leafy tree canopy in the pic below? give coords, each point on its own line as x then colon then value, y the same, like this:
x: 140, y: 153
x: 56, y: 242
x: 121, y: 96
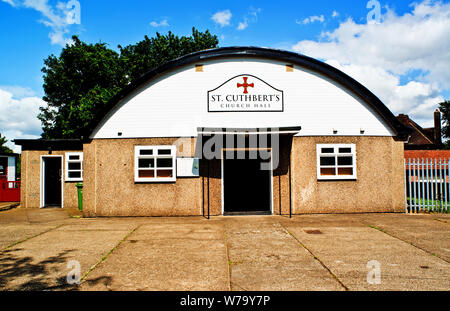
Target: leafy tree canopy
x: 3, y: 148
x: 153, y: 52
x: 85, y: 77
x: 444, y: 107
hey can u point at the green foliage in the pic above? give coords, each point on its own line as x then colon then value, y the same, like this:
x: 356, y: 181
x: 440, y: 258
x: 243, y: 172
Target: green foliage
x: 3, y: 148
x: 152, y: 52
x: 444, y: 107
x: 85, y: 77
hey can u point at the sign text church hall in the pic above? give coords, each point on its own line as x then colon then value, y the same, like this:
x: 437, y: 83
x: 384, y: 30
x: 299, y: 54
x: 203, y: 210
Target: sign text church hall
x: 236, y: 130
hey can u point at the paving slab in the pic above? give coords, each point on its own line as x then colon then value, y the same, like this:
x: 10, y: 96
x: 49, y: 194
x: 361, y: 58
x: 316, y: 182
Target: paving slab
x: 20, y: 224
x: 427, y: 232
x: 237, y: 253
x: 41, y: 263
x: 264, y: 256
x: 346, y: 251
x: 168, y: 255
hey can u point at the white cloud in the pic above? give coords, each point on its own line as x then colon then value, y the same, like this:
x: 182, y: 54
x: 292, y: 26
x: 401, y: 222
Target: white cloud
x: 59, y: 18
x: 18, y: 91
x: 311, y: 19
x: 11, y: 2
x: 242, y: 25
x: 335, y: 14
x: 18, y: 117
x: 383, y: 55
x: 222, y: 18
x: 251, y: 17
x: 163, y: 23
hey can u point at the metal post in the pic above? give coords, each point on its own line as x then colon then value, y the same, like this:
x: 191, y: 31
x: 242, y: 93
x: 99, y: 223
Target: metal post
x: 422, y: 197
x: 414, y: 185
x: 208, y: 186
x: 435, y: 183
x: 279, y: 193
x: 441, y: 194
x: 444, y: 204
x: 427, y: 195
x: 290, y: 200
x: 406, y: 198
x: 203, y: 196
x: 410, y: 187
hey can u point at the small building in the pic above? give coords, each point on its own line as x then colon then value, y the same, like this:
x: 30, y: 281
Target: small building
x: 9, y: 186
x: 423, y: 138
x: 228, y: 131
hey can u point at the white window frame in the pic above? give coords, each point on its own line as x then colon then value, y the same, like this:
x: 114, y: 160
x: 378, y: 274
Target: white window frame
x: 67, y: 161
x: 335, y: 154
x: 155, y: 156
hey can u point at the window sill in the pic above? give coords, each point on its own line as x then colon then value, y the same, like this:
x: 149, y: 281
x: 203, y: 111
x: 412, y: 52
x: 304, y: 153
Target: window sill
x: 336, y: 179
x: 73, y: 180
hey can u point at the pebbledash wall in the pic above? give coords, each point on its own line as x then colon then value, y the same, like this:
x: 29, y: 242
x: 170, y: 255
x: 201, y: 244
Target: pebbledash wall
x: 315, y: 110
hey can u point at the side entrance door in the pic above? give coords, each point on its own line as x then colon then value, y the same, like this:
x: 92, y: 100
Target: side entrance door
x: 52, y: 178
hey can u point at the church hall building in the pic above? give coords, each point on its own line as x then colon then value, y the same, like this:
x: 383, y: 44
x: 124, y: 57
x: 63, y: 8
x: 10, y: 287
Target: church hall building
x: 234, y: 130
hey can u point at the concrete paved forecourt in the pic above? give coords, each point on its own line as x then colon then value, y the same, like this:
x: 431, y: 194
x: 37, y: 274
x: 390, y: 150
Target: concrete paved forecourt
x: 50, y: 249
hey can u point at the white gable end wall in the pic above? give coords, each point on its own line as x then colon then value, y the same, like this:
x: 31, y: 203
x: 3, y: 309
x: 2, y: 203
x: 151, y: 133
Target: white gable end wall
x: 175, y: 105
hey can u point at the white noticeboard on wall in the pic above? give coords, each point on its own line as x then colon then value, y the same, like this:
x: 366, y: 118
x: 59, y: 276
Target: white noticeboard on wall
x: 188, y: 167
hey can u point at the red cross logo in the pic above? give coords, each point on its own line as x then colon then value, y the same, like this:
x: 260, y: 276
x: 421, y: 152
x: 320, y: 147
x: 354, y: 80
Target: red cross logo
x: 245, y: 85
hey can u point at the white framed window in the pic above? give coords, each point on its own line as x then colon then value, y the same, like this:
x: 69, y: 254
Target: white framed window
x: 155, y: 163
x: 336, y: 161
x: 74, y: 166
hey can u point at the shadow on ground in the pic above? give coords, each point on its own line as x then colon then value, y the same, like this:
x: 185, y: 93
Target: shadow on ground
x: 23, y: 273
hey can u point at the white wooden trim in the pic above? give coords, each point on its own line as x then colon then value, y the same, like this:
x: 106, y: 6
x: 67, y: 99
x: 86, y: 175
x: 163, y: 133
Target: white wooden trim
x: 42, y: 173
x: 336, y: 166
x: 66, y: 161
x: 155, y: 156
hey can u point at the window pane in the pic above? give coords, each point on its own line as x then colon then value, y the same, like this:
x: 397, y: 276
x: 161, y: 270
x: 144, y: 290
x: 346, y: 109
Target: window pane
x: 345, y: 150
x: 348, y: 171
x: 164, y: 173
x: 327, y: 150
x: 164, y: 163
x: 345, y: 160
x: 146, y: 152
x: 146, y: 163
x: 327, y: 160
x: 327, y: 171
x: 147, y: 174
x: 165, y: 152
x: 75, y: 174
x: 75, y: 166
x: 74, y: 157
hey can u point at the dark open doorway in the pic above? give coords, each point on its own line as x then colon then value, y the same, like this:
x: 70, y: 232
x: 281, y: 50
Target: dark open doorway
x: 247, y: 188
x: 52, y: 182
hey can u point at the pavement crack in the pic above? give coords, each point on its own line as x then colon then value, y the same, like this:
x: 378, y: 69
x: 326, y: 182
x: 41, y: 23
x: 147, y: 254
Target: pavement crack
x: 107, y: 254
x: 316, y: 258
x: 410, y: 243
x: 31, y: 237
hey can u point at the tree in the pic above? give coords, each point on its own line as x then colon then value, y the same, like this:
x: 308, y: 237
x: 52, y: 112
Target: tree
x: 3, y: 148
x: 444, y: 107
x: 85, y: 77
x: 150, y: 53
x: 76, y: 85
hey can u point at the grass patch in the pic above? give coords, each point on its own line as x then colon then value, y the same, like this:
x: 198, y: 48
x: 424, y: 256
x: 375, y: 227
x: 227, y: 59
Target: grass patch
x: 432, y: 206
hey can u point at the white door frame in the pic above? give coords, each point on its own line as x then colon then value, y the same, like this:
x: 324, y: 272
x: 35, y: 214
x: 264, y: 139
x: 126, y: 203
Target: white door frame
x: 222, y: 178
x: 42, y: 188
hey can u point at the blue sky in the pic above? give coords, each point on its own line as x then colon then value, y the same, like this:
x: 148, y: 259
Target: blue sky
x: 396, y: 57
